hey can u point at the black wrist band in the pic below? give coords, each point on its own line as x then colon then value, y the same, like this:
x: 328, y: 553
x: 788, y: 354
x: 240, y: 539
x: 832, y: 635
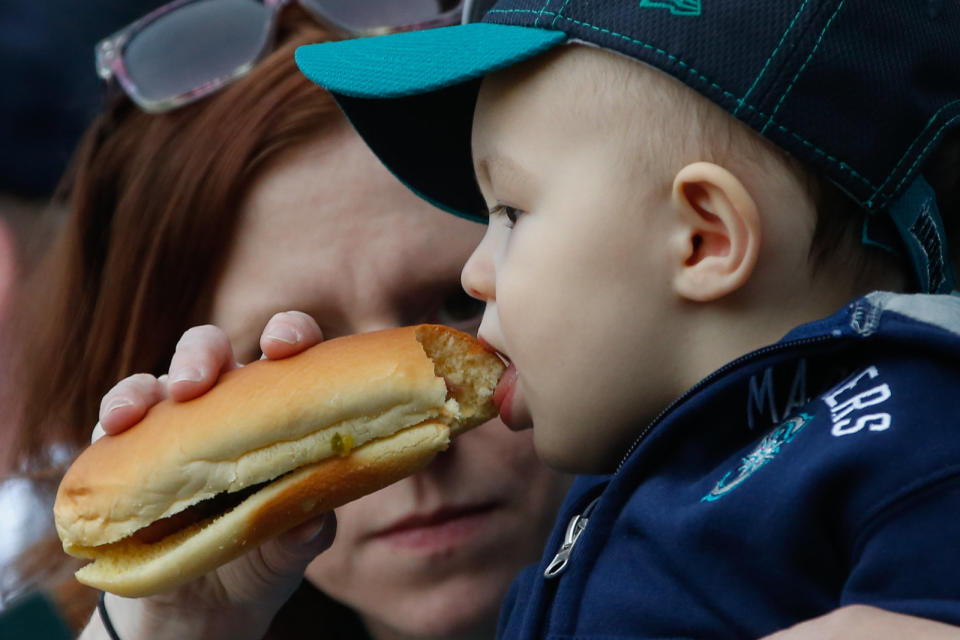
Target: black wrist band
x: 102, y: 609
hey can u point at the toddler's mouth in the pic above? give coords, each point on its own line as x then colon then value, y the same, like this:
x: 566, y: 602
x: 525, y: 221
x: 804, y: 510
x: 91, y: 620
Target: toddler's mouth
x: 504, y: 394
x: 504, y: 399
x: 492, y: 349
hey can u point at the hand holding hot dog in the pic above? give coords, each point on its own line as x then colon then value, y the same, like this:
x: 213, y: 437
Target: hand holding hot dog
x: 264, y: 450
x: 238, y: 599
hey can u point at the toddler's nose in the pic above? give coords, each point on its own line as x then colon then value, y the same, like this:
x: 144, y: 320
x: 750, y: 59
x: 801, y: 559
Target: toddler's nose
x: 478, y: 276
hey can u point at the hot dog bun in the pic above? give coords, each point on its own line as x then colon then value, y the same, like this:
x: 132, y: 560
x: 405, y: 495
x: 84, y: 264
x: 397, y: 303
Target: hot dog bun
x: 273, y: 444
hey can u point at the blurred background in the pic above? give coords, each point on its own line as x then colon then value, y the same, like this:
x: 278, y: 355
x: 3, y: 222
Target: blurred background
x: 50, y: 94
x: 51, y: 91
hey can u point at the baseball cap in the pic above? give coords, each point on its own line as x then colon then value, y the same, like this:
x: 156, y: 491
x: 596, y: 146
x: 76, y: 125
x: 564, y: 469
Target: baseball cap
x: 861, y: 89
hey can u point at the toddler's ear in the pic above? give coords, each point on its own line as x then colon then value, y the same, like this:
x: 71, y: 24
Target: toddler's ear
x: 718, y: 237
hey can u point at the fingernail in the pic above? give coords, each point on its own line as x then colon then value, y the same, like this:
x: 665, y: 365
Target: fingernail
x: 312, y: 534
x: 316, y: 534
x: 187, y: 374
x: 283, y: 334
x: 116, y: 403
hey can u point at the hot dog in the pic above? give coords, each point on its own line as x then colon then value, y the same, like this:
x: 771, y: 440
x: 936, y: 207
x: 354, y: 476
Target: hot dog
x: 273, y: 444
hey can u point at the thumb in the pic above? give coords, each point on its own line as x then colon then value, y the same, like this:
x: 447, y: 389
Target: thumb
x: 274, y: 571
x: 292, y: 551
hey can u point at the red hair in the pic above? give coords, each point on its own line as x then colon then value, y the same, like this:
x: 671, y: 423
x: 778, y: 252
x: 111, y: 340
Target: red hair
x: 152, y: 211
x: 153, y: 202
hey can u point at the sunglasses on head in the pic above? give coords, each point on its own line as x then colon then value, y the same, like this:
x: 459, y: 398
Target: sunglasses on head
x: 188, y: 49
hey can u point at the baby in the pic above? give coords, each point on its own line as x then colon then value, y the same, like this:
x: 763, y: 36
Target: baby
x: 686, y: 218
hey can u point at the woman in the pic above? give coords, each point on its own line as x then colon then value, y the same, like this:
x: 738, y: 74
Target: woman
x: 253, y: 200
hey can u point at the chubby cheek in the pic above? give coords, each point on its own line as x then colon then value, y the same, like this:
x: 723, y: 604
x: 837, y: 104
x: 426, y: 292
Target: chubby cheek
x: 539, y: 306
x: 588, y: 402
x: 588, y: 343
x: 531, y: 307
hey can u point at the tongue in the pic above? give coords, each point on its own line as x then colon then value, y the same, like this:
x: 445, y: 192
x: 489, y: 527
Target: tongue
x: 504, y: 390
x: 513, y: 411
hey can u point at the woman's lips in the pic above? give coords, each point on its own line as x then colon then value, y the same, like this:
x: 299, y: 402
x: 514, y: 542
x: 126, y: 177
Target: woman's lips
x: 444, y: 528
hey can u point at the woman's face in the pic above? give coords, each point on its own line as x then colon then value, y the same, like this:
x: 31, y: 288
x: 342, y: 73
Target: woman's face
x: 327, y: 230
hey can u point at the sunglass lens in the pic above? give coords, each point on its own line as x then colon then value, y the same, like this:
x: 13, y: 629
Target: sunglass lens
x: 188, y: 48
x: 358, y: 16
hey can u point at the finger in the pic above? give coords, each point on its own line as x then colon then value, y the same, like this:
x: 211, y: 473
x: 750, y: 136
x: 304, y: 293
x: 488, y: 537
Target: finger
x: 273, y: 572
x: 318, y: 532
x: 289, y: 333
x: 202, y: 354
x: 289, y: 554
x: 127, y: 402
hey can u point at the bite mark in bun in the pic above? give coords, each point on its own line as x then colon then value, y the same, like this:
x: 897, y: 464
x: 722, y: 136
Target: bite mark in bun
x: 273, y: 444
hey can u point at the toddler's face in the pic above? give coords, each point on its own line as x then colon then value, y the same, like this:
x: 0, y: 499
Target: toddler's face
x: 572, y: 265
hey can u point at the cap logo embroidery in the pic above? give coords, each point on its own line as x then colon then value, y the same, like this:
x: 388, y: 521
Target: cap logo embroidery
x: 676, y: 7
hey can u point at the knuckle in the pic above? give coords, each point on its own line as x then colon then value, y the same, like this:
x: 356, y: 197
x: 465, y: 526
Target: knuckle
x: 199, y: 334
x: 142, y: 379
x: 137, y: 383
x: 298, y: 320
x: 299, y: 316
x: 204, y: 343
x: 277, y: 317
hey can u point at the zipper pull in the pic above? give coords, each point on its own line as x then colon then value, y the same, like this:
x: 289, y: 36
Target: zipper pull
x: 577, y: 524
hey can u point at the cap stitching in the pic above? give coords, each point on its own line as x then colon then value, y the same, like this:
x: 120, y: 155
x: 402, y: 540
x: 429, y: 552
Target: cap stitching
x: 816, y: 46
x: 837, y: 161
x: 770, y: 58
x: 740, y: 101
x: 557, y: 17
x: 543, y: 9
x: 923, y: 152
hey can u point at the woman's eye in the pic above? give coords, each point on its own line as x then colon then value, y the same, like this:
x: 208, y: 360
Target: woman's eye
x: 460, y: 311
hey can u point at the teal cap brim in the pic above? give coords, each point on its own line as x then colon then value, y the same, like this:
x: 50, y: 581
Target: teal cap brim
x: 415, y: 62
x: 411, y: 97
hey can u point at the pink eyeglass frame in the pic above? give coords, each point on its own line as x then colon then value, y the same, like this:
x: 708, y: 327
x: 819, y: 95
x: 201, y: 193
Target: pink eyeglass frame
x: 111, y: 66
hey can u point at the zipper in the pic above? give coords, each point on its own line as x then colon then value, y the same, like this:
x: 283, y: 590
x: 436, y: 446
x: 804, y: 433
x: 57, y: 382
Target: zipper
x: 574, y: 530
x: 742, y: 360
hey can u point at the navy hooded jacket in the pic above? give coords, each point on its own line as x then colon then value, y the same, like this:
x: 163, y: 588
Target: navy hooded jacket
x: 821, y: 471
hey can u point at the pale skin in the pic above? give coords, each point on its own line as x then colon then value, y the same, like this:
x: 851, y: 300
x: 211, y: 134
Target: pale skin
x: 717, y: 270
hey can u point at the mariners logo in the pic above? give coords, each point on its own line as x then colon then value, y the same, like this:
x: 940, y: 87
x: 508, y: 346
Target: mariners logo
x: 768, y: 448
x: 676, y: 7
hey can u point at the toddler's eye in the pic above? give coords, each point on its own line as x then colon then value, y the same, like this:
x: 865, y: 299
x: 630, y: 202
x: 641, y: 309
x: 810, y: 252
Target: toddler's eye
x: 511, y: 213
